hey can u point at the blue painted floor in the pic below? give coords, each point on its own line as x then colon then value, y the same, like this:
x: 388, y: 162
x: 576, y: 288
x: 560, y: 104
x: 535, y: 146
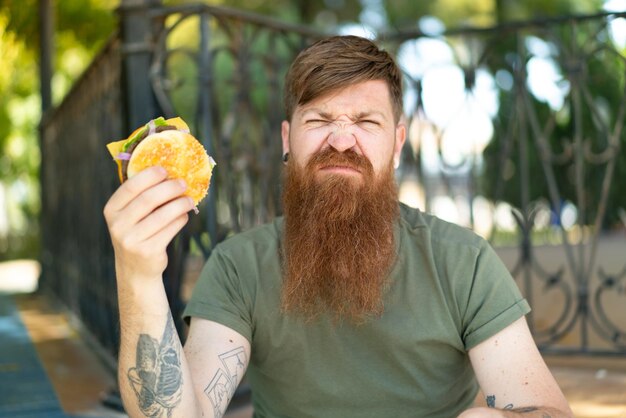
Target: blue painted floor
x: 25, y: 390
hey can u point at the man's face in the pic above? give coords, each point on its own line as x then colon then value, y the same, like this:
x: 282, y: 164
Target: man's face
x: 340, y: 203
x: 358, y: 118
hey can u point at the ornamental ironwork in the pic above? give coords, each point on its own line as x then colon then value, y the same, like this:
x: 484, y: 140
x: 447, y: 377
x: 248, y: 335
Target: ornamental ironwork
x: 514, y: 130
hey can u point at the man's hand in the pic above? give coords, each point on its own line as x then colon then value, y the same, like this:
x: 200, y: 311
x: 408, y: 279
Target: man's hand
x: 527, y: 412
x: 143, y: 216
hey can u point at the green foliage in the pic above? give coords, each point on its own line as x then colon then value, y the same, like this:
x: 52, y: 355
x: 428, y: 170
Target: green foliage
x: 82, y: 26
x: 596, y: 76
x: 532, y: 9
x: 317, y: 13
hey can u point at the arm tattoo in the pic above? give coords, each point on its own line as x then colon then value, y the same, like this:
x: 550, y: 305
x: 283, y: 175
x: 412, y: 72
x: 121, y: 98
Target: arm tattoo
x: 224, y: 383
x: 157, y: 378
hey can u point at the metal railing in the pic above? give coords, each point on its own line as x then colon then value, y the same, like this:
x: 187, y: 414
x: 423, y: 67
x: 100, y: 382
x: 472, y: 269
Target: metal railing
x: 76, y: 181
x: 562, y: 152
x: 222, y: 70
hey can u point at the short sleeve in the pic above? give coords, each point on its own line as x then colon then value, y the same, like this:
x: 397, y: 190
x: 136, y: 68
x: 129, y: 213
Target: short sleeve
x: 218, y: 296
x: 494, y: 300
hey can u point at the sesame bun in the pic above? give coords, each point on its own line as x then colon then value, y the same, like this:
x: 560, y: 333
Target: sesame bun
x: 182, y: 155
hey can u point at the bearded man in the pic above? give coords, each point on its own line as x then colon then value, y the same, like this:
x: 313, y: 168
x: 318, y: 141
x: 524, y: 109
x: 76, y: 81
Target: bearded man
x: 352, y: 305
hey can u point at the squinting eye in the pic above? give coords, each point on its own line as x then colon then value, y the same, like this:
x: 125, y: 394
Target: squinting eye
x: 369, y: 122
x: 316, y: 121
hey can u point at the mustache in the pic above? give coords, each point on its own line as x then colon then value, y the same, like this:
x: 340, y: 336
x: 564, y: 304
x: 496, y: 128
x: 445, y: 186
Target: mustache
x: 330, y: 157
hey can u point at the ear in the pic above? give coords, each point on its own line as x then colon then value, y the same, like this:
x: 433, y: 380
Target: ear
x: 400, y: 139
x: 284, y: 133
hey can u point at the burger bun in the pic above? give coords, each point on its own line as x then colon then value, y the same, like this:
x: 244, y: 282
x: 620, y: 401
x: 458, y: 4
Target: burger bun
x: 182, y: 155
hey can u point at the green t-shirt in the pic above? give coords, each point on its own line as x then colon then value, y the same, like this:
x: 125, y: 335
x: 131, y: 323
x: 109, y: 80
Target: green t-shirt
x: 448, y: 292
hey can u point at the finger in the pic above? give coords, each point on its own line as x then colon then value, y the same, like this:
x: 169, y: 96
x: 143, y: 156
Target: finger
x: 149, y: 201
x: 162, y: 238
x: 134, y: 186
x: 162, y: 217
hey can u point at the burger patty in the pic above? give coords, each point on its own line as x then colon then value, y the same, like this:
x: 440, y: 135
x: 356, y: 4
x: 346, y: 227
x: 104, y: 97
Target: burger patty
x: 134, y: 145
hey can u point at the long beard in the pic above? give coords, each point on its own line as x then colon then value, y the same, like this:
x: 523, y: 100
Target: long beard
x: 338, y: 241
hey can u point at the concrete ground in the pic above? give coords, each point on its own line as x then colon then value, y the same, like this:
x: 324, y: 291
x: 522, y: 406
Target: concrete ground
x: 594, y: 386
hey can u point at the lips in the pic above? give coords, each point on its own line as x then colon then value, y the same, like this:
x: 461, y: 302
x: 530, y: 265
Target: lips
x: 340, y: 168
x: 330, y: 160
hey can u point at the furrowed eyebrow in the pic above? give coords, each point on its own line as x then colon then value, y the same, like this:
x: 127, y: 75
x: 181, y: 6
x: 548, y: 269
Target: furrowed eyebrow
x: 364, y: 115
x: 316, y: 113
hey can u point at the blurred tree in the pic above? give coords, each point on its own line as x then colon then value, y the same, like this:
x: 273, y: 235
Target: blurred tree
x: 82, y: 27
x: 507, y: 10
x: 324, y: 14
x: 591, y: 66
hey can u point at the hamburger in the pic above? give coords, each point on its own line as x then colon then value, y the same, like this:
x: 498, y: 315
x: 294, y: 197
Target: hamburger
x: 166, y: 143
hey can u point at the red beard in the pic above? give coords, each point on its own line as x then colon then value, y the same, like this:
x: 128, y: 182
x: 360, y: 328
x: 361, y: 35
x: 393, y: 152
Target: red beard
x: 338, y: 242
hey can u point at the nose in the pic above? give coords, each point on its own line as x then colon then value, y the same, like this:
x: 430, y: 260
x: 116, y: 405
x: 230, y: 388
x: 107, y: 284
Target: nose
x: 342, y: 138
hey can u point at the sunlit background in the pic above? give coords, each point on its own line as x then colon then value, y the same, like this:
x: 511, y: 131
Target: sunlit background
x: 451, y: 129
x: 454, y: 106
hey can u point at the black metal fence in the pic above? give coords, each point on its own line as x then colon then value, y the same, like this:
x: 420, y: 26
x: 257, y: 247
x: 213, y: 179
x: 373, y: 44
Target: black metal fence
x: 553, y: 159
x: 76, y: 180
x: 222, y: 70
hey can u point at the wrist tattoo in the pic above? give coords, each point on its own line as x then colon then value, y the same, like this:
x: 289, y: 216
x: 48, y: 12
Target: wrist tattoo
x: 222, y: 387
x: 157, y: 377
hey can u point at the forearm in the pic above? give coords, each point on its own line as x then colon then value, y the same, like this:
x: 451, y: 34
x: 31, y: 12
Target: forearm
x: 153, y: 374
x: 143, y: 216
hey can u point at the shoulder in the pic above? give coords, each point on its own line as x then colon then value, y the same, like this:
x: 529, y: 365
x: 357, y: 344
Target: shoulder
x: 457, y: 254
x: 437, y: 232
x: 247, y: 259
